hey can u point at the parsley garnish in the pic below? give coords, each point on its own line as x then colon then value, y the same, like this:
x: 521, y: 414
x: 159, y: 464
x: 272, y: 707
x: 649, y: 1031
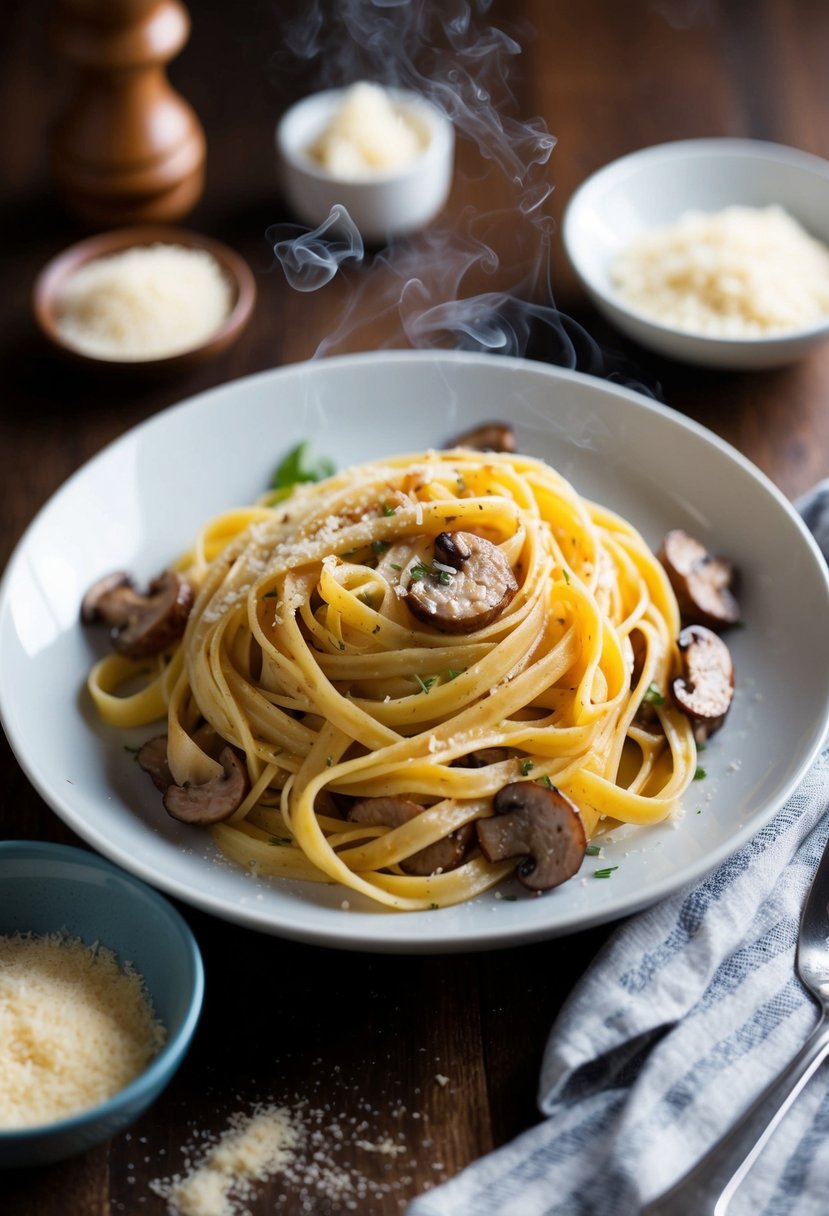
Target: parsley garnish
x: 283, y: 840
x: 296, y: 468
x: 418, y: 571
x: 526, y: 767
x: 593, y: 850
x: 452, y: 674
x: 653, y: 696
x: 605, y: 873
x: 566, y: 574
x: 387, y: 510
x: 380, y: 546
x: 426, y: 684
x: 545, y: 780
x: 699, y: 773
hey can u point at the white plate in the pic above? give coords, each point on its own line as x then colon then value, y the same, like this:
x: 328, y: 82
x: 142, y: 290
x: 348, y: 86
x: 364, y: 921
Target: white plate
x: 657, y: 185
x: 140, y: 501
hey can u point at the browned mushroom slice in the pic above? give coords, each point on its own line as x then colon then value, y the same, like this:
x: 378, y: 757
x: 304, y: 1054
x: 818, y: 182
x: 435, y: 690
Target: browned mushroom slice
x: 705, y: 689
x: 541, y: 826
x: 489, y: 437
x: 391, y: 812
x: 142, y: 624
x: 152, y: 757
x: 469, y: 584
x: 483, y: 756
x: 702, y: 583
x: 212, y: 801
x: 104, y: 599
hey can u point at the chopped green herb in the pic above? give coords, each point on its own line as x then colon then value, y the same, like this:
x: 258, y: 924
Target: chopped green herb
x: 545, y: 780
x: 566, y: 574
x: 653, y: 696
x: 283, y: 840
x: 442, y: 576
x: 699, y: 773
x: 452, y: 674
x: 380, y: 546
x: 296, y: 468
x: 526, y: 767
x: 426, y: 684
x: 605, y: 873
x: 593, y: 850
x: 387, y: 510
x: 418, y: 571
x: 395, y: 566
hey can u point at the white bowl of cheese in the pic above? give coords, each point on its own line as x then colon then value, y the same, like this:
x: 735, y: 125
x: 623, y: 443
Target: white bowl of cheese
x: 708, y: 251
x: 384, y: 155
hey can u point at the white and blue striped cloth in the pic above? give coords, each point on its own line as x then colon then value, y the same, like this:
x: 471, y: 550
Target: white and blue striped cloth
x: 687, y: 1013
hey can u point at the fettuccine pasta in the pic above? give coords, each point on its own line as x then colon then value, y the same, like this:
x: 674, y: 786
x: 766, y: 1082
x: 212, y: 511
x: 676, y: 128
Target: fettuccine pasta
x: 302, y: 652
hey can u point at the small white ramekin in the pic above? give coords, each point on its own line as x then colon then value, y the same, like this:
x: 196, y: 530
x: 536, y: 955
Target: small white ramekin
x: 382, y: 205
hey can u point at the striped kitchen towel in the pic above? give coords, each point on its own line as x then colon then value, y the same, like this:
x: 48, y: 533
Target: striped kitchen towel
x: 691, y: 1008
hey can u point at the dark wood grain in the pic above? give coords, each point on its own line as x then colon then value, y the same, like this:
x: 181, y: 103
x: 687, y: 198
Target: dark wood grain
x: 438, y: 1054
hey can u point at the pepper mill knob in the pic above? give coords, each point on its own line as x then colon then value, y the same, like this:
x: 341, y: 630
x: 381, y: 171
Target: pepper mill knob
x: 129, y: 149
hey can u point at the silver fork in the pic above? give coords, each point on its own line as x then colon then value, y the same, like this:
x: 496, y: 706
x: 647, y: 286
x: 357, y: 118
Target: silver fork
x: 707, y: 1189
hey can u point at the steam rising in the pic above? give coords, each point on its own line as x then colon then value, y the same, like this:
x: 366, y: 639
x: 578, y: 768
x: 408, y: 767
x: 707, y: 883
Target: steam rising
x: 481, y: 281
x: 308, y: 259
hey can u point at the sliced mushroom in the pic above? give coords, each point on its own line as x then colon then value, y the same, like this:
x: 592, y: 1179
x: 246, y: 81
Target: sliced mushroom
x: 705, y: 689
x: 214, y: 800
x: 541, y: 826
x: 142, y: 624
x: 152, y: 757
x: 469, y: 584
x: 702, y: 583
x: 103, y: 602
x: 391, y: 812
x: 489, y: 437
x: 483, y: 756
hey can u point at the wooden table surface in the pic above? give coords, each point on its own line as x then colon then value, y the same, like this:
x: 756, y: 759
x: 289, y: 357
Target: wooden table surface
x: 362, y: 1039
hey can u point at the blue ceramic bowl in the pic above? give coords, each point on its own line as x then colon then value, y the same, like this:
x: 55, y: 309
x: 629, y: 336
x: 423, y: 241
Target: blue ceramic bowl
x: 46, y: 888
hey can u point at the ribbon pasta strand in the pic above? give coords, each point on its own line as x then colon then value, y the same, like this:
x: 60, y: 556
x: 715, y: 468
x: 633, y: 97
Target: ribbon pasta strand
x: 301, y: 654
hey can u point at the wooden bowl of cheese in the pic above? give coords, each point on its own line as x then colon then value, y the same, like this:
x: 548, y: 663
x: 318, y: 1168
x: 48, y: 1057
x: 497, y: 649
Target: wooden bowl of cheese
x: 152, y: 297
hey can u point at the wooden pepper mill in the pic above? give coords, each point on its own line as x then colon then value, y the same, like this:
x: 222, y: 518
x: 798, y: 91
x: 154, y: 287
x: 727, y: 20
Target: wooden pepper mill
x: 129, y: 149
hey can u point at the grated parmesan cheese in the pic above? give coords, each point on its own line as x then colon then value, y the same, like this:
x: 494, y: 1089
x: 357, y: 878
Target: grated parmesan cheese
x: 74, y: 1028
x: 148, y: 302
x: 367, y: 135
x: 743, y: 272
x: 253, y: 1148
